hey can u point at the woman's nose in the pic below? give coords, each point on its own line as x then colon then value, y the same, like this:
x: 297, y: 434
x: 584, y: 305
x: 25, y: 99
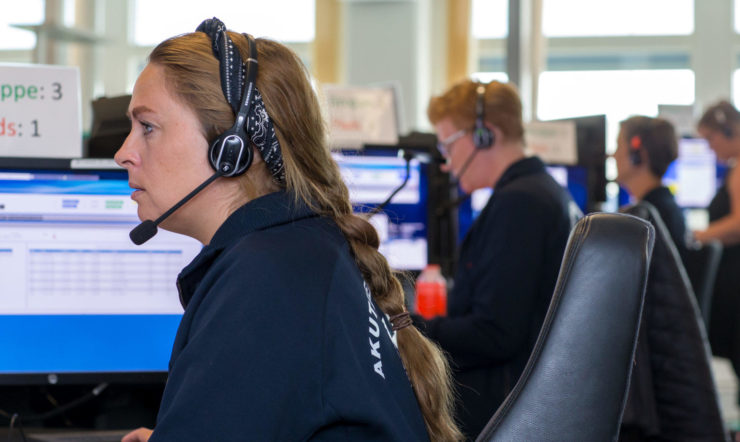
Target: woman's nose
x: 125, y: 154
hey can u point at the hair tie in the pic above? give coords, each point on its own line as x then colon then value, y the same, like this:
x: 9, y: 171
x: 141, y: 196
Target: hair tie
x: 401, y: 320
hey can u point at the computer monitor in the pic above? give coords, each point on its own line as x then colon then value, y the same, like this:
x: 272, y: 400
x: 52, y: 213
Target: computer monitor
x: 80, y: 302
x: 402, y: 225
x: 591, y: 144
x: 110, y: 126
x: 695, y: 175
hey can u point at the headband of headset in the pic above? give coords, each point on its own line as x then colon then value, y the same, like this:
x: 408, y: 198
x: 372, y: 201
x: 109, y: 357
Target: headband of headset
x: 251, y: 117
x: 483, y: 138
x: 721, y: 118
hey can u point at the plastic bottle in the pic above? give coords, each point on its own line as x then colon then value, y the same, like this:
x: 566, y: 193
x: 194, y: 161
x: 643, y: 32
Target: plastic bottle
x: 431, y: 292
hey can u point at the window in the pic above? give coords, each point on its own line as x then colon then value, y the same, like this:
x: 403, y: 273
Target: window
x: 259, y: 18
x: 490, y: 23
x: 487, y: 77
x: 490, y: 18
x: 617, y: 94
x: 27, y: 12
x: 736, y: 87
x: 69, y: 12
x: 578, y: 18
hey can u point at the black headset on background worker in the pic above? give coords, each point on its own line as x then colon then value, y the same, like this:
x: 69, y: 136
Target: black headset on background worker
x: 636, y: 147
x: 483, y: 138
x: 720, y: 116
x: 640, y: 136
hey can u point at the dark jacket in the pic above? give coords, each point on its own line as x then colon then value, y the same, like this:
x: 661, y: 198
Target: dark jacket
x: 508, y: 265
x: 281, y: 341
x: 672, y: 396
x: 663, y: 201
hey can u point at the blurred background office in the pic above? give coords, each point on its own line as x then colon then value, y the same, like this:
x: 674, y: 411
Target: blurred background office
x: 569, y: 58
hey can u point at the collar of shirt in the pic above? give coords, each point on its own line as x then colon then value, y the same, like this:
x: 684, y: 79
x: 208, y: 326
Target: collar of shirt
x: 660, y: 193
x: 263, y: 213
x: 525, y: 166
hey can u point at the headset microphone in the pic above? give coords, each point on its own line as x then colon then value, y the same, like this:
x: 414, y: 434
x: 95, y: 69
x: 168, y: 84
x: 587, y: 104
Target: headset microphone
x: 147, y: 229
x: 457, y: 201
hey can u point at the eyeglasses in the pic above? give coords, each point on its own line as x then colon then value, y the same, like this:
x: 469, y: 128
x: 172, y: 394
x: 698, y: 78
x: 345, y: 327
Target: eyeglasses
x: 444, y: 146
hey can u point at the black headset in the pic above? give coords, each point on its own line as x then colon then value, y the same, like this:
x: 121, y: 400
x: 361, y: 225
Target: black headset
x: 231, y: 153
x: 635, y: 146
x: 483, y: 138
x: 724, y: 125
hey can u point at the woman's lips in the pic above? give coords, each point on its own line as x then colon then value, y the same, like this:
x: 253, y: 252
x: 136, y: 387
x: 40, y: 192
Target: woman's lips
x: 137, y: 191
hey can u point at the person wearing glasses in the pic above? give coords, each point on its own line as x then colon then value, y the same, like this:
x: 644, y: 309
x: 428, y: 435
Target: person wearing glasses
x: 510, y: 258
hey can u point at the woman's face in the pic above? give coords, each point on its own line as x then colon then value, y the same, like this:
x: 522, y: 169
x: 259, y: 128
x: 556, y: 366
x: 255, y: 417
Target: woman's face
x: 725, y: 148
x: 165, y: 153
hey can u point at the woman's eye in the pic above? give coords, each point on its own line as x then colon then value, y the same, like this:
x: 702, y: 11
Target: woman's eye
x: 147, y: 127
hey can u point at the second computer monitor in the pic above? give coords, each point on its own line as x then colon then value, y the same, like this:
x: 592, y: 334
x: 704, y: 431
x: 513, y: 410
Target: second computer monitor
x: 695, y: 175
x: 371, y: 178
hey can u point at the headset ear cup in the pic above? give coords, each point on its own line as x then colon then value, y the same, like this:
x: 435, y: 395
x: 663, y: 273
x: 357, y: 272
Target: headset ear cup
x: 483, y: 138
x: 636, y: 150
x: 230, y: 155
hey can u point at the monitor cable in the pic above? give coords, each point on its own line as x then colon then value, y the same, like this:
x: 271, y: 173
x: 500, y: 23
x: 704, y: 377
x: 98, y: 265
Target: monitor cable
x: 15, y: 418
x: 407, y: 156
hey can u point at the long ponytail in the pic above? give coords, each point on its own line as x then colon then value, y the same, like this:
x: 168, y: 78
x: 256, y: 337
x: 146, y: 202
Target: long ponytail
x: 313, y: 176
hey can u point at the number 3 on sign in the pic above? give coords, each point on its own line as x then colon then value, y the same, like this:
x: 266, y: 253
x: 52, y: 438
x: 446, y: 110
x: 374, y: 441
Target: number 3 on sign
x: 57, y: 91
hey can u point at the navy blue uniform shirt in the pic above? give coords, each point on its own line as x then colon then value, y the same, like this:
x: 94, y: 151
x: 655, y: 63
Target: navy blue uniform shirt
x: 509, y: 262
x: 280, y: 340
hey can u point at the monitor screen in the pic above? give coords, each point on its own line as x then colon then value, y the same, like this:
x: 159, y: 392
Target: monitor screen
x: 694, y: 176
x: 81, y: 303
x: 591, y: 143
x: 573, y: 178
x: 402, y: 224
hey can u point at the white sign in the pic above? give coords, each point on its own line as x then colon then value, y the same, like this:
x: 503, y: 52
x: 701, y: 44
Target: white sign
x: 553, y: 141
x: 681, y: 116
x: 40, y: 111
x: 361, y: 115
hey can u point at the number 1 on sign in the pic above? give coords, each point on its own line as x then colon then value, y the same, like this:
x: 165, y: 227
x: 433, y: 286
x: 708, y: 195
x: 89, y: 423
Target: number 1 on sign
x: 35, y: 124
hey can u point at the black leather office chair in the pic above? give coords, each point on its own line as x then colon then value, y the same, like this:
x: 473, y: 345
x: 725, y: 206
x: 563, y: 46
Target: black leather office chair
x: 701, y: 262
x: 575, y: 384
x: 672, y: 394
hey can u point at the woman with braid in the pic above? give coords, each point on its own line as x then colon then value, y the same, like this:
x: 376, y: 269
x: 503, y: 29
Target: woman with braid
x: 294, y: 326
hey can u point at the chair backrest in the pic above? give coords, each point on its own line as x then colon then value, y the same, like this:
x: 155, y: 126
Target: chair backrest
x: 574, y: 385
x: 701, y: 262
x: 672, y: 395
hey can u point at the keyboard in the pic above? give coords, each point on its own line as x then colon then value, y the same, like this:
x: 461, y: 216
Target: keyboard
x: 75, y: 435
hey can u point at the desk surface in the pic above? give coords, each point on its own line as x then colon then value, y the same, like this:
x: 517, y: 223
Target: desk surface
x: 63, y: 435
